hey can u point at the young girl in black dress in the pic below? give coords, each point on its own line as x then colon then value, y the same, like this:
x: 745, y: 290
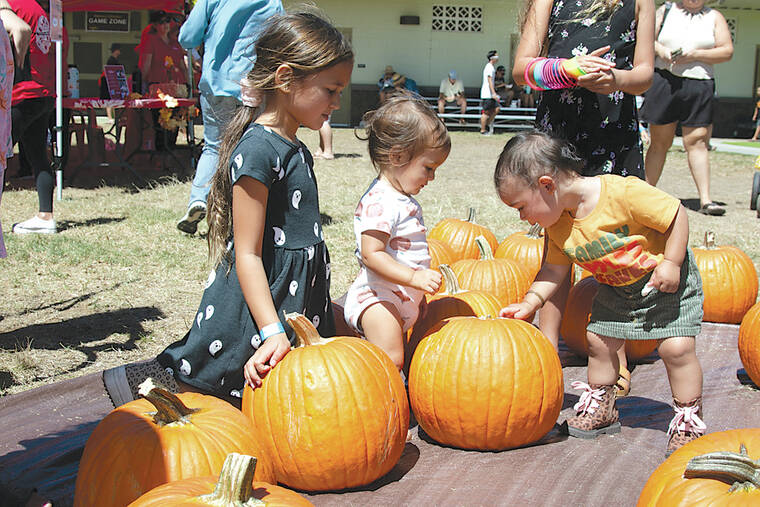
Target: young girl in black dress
x: 611, y: 43
x: 265, y: 235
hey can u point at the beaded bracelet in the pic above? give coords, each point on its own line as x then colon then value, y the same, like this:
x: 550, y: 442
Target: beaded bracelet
x: 271, y: 330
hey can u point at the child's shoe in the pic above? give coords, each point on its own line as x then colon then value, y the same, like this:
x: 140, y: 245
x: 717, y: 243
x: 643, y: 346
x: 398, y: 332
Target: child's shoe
x: 35, y: 225
x: 686, y: 425
x: 596, y: 412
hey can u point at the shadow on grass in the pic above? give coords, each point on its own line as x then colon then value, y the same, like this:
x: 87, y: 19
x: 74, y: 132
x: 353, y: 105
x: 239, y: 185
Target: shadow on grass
x: 77, y: 333
x: 70, y: 224
x: 693, y: 204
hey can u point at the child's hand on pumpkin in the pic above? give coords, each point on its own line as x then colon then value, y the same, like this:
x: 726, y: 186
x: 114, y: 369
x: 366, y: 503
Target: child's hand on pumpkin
x: 666, y: 276
x: 265, y: 358
x: 427, y: 280
x: 522, y: 311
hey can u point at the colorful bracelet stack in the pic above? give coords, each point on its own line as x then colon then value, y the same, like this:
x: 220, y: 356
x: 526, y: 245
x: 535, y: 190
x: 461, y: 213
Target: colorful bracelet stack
x: 553, y: 73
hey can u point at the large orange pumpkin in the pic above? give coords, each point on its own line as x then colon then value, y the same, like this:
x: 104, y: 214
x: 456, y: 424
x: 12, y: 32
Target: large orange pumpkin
x: 503, y: 278
x: 459, y: 236
x: 440, y: 253
x: 576, y: 317
x: 729, y: 281
x: 488, y: 384
x: 453, y: 302
x: 525, y: 247
x: 749, y: 343
x: 335, y: 412
x: 162, y: 438
x: 234, y: 487
x: 713, y: 476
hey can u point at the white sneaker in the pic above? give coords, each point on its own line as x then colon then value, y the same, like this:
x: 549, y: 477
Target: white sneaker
x: 35, y: 225
x: 490, y: 129
x: 195, y: 213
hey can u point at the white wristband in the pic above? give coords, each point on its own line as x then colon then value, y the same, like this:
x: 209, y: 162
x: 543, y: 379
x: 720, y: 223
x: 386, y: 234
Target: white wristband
x: 271, y: 330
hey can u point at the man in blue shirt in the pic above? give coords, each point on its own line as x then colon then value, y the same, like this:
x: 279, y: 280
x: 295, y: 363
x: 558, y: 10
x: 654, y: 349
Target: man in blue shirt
x: 227, y: 29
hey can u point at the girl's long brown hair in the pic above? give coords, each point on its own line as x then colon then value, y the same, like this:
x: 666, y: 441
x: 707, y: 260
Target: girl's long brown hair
x: 308, y: 44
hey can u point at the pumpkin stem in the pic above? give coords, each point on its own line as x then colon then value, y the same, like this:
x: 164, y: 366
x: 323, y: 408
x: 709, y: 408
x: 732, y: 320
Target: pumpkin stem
x: 235, y: 485
x: 486, y: 253
x: 169, y: 408
x: 306, y: 333
x: 710, y: 240
x: 450, y: 279
x: 738, y: 470
x: 471, y: 215
x: 535, y: 231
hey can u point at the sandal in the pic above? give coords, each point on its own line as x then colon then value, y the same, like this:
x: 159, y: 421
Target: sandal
x: 623, y: 384
x: 712, y: 209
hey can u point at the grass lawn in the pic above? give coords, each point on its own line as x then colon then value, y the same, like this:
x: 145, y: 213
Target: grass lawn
x: 747, y: 144
x: 119, y: 282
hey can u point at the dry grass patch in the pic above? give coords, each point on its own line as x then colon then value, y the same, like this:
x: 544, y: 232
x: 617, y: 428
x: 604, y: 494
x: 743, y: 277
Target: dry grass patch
x: 119, y: 283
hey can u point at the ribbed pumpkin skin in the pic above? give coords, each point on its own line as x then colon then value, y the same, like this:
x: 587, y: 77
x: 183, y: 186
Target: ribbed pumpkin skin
x: 729, y: 281
x: 128, y: 454
x: 336, y: 415
x: 486, y: 384
x: 749, y: 343
x: 667, y: 487
x: 440, y: 253
x: 505, y: 279
x: 459, y: 236
x: 527, y: 251
x: 180, y: 493
x: 577, y: 314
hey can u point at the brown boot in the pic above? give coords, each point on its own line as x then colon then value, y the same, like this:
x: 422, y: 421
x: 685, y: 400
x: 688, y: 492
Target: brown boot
x: 686, y: 425
x: 595, y: 411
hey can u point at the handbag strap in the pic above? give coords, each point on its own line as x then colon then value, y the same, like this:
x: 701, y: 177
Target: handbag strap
x: 668, y: 5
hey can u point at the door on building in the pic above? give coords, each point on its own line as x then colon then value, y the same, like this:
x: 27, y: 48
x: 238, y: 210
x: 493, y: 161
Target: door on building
x: 757, y: 70
x: 342, y: 117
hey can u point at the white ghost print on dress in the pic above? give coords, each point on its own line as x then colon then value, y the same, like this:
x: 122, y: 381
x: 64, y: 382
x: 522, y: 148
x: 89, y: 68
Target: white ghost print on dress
x: 235, y: 394
x: 184, y: 367
x: 293, y: 288
x: 214, y: 347
x: 199, y: 319
x: 316, y: 229
x: 315, y: 320
x: 279, y: 236
x: 255, y: 341
x: 209, y: 311
x: 310, y: 252
x: 210, y: 280
x: 296, y: 200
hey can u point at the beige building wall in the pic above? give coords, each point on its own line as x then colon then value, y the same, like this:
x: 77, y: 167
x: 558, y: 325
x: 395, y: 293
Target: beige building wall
x: 737, y: 77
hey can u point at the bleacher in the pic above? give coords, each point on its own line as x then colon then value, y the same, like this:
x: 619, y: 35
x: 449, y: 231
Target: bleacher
x: 509, y: 118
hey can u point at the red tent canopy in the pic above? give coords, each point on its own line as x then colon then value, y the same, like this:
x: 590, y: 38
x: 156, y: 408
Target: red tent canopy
x: 121, y: 5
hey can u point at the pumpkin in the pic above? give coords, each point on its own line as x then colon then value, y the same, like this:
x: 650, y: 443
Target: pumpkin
x: 440, y: 253
x: 749, y: 343
x: 459, y: 236
x: 717, y: 469
x: 162, y: 438
x: 486, y: 384
x: 576, y: 317
x: 729, y: 281
x: 453, y: 302
x: 335, y: 411
x: 503, y: 278
x: 525, y: 248
x: 234, y: 487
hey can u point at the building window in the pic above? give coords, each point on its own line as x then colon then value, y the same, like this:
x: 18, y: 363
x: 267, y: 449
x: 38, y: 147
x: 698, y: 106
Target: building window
x: 731, y: 22
x: 457, y: 18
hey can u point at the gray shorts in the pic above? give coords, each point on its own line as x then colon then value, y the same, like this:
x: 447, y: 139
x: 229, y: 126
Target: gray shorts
x: 622, y: 312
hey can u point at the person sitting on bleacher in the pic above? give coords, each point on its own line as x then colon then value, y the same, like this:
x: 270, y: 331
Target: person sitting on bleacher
x: 450, y: 91
x: 505, y: 90
x: 401, y: 82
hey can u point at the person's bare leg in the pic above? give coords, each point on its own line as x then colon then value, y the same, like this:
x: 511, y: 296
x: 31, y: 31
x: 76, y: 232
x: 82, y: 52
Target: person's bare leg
x: 681, y: 363
x: 757, y: 132
x: 483, y: 121
x: 661, y: 139
x: 383, y: 327
x: 695, y: 141
x: 603, y: 365
x: 441, y: 104
x: 325, y: 141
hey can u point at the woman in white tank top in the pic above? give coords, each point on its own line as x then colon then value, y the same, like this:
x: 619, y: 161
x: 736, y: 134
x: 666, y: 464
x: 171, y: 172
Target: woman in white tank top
x: 691, y: 38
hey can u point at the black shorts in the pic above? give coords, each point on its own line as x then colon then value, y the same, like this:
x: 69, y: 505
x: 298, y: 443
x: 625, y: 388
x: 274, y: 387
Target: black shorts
x: 678, y: 99
x: 488, y: 105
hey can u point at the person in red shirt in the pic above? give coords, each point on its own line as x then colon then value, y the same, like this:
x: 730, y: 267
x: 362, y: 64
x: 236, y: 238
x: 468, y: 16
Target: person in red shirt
x: 32, y: 102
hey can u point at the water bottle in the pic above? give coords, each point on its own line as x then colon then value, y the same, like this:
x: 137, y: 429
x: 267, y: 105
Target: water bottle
x: 73, y: 81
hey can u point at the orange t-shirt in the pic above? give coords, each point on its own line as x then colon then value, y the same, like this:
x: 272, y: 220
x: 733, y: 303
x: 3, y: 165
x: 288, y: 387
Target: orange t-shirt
x: 623, y: 238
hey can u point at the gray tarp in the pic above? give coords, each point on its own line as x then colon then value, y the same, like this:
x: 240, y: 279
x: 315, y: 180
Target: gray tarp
x: 44, y: 431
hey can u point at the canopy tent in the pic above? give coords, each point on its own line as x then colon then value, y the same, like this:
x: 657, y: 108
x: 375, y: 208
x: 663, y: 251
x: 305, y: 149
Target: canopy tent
x: 121, y: 5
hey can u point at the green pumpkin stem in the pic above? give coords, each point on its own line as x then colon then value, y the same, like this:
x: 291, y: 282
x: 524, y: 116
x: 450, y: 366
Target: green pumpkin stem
x: 486, y: 253
x: 306, y: 333
x: 471, y: 215
x: 710, y: 240
x: 535, y: 231
x: 738, y: 470
x: 169, y: 408
x: 450, y: 280
x: 235, y: 485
